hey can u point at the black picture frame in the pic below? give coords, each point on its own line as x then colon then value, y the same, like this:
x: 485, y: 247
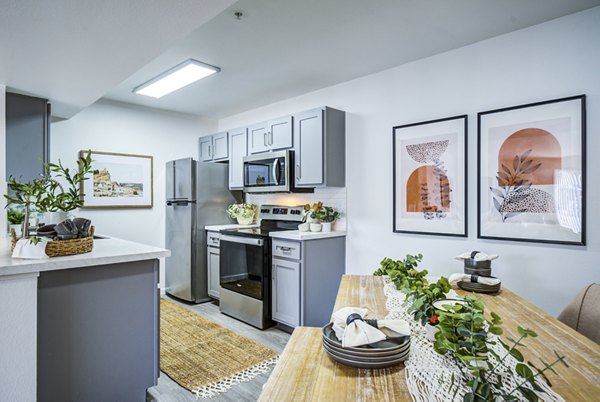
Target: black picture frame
x: 459, y: 225
x: 574, y: 112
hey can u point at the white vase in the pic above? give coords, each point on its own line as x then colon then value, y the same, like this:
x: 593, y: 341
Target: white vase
x: 53, y: 218
x: 315, y: 227
x: 430, y: 331
x: 245, y: 221
x: 326, y: 226
x: 17, y: 229
x: 304, y: 227
x: 311, y: 220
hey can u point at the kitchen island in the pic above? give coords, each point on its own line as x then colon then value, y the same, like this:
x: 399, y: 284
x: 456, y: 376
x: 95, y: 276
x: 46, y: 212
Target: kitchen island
x: 82, y: 327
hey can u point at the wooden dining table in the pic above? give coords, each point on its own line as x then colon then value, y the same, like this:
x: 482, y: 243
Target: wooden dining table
x: 306, y: 373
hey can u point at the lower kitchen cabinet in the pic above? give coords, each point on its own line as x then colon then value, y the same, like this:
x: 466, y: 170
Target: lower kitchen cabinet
x: 306, y: 277
x: 286, y: 292
x: 213, y: 255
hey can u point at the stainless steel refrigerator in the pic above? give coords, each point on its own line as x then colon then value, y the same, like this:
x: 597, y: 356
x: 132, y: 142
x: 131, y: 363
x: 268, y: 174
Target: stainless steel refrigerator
x: 197, y: 195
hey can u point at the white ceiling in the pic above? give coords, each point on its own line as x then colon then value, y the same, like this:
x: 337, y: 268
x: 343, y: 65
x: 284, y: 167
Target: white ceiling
x: 74, y: 51
x: 285, y: 48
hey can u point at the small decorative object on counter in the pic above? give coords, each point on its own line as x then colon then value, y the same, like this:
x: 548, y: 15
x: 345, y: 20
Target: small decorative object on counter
x: 15, y: 219
x: 310, y: 212
x: 327, y: 216
x: 304, y: 227
x: 48, y: 194
x: 315, y: 227
x: 67, y: 238
x: 244, y: 213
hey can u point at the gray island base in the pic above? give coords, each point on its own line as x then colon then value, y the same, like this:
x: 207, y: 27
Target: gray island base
x: 80, y: 328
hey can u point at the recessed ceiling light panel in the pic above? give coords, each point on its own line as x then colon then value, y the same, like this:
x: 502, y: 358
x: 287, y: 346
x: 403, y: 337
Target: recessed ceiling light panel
x: 176, y: 78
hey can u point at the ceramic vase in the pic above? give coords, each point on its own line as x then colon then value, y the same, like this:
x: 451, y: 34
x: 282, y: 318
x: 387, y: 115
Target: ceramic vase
x: 315, y: 227
x: 326, y: 226
x: 245, y: 221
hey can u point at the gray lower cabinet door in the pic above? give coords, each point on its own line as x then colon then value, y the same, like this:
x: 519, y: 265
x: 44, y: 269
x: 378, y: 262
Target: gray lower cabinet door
x: 258, y: 138
x: 238, y: 148
x: 220, y: 149
x: 308, y: 144
x: 286, y: 292
x: 205, y: 147
x: 214, y: 286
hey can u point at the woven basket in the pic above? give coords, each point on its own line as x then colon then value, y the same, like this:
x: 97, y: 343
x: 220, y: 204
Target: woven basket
x: 59, y: 248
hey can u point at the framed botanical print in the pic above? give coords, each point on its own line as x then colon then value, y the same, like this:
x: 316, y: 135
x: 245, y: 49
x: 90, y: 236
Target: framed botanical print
x: 118, y: 181
x: 430, y: 170
x: 531, y: 174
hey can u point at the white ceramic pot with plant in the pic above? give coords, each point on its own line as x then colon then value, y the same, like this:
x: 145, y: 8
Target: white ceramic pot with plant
x: 310, y: 212
x: 244, y: 213
x: 304, y: 227
x: 315, y: 227
x: 327, y: 216
x: 15, y: 219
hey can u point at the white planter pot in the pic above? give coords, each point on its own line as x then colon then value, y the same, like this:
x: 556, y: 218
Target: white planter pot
x: 311, y: 220
x: 326, y: 226
x: 17, y: 229
x: 304, y: 227
x: 245, y: 221
x: 430, y: 332
x: 53, y: 218
x: 315, y: 227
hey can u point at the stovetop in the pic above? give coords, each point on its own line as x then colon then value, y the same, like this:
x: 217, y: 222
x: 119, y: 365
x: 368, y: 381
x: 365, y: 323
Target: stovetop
x: 265, y: 228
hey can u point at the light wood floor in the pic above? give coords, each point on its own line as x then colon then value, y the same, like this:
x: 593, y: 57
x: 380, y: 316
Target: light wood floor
x: 168, y: 390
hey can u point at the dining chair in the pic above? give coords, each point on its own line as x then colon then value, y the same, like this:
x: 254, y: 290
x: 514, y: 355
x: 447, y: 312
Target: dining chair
x: 583, y: 312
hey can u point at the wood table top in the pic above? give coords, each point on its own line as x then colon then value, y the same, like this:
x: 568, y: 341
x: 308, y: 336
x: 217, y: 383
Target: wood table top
x: 306, y: 373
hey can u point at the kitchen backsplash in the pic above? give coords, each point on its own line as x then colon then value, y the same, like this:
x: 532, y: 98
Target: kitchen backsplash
x: 334, y: 197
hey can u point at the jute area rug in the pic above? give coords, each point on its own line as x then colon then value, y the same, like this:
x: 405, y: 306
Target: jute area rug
x: 205, y: 357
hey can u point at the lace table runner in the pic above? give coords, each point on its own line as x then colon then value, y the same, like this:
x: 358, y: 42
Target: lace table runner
x: 434, y: 377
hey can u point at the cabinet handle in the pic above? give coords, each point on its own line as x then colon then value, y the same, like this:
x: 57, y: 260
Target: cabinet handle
x: 298, y: 171
x: 265, y: 140
x: 285, y: 250
x: 270, y: 138
x: 209, y: 153
x: 214, y: 149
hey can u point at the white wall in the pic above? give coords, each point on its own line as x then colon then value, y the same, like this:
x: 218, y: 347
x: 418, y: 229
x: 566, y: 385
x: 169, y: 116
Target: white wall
x: 117, y: 127
x: 551, y: 60
x: 3, y: 220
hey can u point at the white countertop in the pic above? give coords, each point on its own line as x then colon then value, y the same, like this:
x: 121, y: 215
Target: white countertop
x: 218, y: 228
x: 106, y: 251
x: 301, y: 236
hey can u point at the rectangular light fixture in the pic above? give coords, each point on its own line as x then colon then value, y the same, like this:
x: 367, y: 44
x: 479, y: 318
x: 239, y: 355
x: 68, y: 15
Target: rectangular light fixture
x: 176, y: 78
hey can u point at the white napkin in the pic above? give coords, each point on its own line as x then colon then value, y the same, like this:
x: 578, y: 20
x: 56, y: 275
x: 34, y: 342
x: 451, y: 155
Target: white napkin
x: 27, y: 250
x: 359, y: 332
x: 478, y: 257
x: 455, y: 278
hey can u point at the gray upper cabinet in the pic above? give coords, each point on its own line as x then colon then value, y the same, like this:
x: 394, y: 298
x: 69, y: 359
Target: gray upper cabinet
x: 238, y: 148
x: 214, y: 147
x: 320, y: 148
x: 271, y: 135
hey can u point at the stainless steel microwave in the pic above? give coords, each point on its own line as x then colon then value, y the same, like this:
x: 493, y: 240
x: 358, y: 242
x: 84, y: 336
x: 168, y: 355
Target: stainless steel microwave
x: 270, y: 172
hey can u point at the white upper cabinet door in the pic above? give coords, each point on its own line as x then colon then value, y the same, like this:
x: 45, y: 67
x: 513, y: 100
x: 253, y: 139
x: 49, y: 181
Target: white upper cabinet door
x: 258, y: 138
x: 308, y: 140
x: 280, y: 133
x: 238, y: 148
x: 220, y: 146
x: 206, y: 151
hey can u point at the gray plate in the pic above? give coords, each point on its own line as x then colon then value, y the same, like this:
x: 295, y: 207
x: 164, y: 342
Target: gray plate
x: 370, y: 353
x: 358, y: 364
x: 388, y: 345
x: 362, y: 359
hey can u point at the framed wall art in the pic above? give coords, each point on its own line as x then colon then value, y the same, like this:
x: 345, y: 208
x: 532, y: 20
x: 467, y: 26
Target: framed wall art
x: 430, y: 170
x: 531, y: 174
x: 118, y: 181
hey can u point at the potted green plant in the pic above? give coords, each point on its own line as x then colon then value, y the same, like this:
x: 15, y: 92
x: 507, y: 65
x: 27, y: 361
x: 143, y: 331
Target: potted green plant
x: 15, y: 218
x: 327, y: 216
x: 47, y: 193
x: 311, y: 217
x: 244, y: 213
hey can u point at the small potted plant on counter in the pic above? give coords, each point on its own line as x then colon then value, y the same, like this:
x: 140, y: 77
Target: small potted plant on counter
x: 327, y: 216
x: 244, y: 213
x: 311, y: 216
x: 15, y: 217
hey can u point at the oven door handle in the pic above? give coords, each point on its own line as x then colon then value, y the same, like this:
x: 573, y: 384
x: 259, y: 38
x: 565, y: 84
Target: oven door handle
x: 243, y: 240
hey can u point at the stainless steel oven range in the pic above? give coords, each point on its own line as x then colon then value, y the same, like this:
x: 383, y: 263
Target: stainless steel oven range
x: 245, y: 265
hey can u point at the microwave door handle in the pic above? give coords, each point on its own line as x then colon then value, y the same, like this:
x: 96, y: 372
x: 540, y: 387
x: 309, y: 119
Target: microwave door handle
x: 276, y: 171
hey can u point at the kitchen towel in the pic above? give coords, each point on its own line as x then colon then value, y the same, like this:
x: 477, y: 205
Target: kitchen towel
x: 485, y: 280
x: 26, y: 249
x: 357, y: 332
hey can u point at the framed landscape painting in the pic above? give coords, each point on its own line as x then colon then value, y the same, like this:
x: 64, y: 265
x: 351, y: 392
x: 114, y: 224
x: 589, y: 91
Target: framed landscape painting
x: 430, y: 170
x: 531, y: 174
x: 118, y: 181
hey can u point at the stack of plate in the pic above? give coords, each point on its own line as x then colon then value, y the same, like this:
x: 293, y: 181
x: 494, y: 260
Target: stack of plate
x: 387, y: 353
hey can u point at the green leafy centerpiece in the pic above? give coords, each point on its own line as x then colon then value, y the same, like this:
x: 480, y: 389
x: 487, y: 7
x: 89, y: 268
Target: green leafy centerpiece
x: 474, y: 363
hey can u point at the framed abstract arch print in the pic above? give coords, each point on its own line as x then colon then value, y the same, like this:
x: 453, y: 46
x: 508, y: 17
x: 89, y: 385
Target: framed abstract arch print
x: 430, y: 170
x: 531, y: 174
